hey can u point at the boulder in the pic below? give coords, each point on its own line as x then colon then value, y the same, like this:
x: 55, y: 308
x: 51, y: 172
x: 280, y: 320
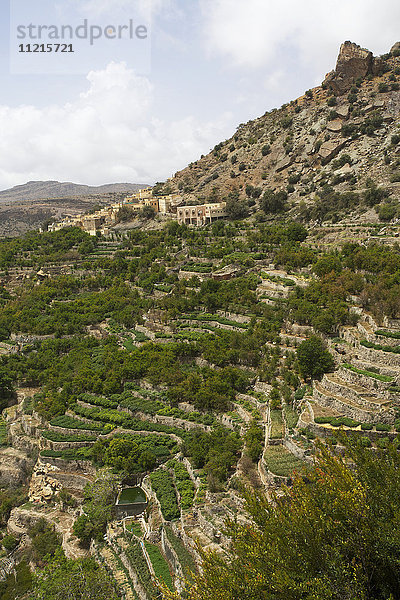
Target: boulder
x: 345, y: 170
x: 329, y: 150
x: 43, y: 486
x: 343, y: 111
x: 283, y: 163
x: 353, y: 62
x: 334, y: 126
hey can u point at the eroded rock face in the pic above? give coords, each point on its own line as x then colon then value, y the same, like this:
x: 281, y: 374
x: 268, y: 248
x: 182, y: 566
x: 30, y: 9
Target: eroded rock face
x: 353, y: 62
x: 15, y: 467
x: 43, y: 486
x: 395, y: 47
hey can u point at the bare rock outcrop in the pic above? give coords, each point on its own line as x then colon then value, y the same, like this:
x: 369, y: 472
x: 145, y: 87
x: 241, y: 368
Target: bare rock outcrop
x: 15, y: 467
x: 43, y: 485
x: 353, y: 62
x: 395, y: 48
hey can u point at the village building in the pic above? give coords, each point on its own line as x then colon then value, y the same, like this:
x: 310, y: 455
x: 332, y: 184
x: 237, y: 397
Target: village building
x: 201, y: 214
x: 102, y: 220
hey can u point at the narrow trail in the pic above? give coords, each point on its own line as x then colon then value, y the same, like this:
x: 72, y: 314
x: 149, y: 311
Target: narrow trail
x: 260, y: 466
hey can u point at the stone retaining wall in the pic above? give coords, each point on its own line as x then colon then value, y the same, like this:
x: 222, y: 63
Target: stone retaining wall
x: 323, y: 432
x: 339, y: 389
x: 170, y: 421
x: 391, y: 323
x: 67, y: 431
x: 383, y: 369
x: 72, y: 480
x: 46, y: 444
x: 379, y: 357
x: 84, y: 466
x: 297, y: 451
x: 360, y: 398
x: 345, y: 409
x: 171, y: 556
x: 234, y: 316
x: 386, y: 341
x: 373, y: 385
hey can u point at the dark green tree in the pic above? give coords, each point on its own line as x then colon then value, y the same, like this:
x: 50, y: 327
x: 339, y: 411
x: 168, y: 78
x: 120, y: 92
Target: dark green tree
x: 6, y: 389
x: 314, y: 359
x: 273, y: 202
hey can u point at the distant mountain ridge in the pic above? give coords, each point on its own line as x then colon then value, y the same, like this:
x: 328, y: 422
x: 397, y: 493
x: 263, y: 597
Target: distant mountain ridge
x: 35, y: 190
x: 29, y: 206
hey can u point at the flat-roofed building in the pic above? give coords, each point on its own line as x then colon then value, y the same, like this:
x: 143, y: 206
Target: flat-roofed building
x: 201, y: 214
x: 143, y: 194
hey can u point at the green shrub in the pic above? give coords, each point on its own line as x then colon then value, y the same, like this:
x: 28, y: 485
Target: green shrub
x: 9, y: 542
x: 382, y: 427
x: 387, y: 212
x: 265, y: 150
x: 286, y: 122
x: 389, y: 334
x: 161, y: 482
x: 367, y: 426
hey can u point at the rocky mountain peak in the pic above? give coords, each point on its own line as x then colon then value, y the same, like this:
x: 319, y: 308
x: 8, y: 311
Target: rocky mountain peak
x: 353, y: 63
x: 395, y: 48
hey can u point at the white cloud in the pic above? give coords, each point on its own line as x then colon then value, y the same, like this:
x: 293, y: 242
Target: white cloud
x: 99, y: 8
x: 264, y: 33
x: 106, y: 134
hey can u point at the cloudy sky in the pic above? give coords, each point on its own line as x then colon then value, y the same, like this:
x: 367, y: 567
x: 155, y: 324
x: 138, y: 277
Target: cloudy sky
x: 138, y: 112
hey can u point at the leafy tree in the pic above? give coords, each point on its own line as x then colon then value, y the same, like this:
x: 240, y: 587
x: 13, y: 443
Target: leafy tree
x: 99, y: 502
x: 314, y: 359
x: 216, y: 451
x: 45, y: 540
x: 8, y: 499
x: 254, y: 441
x: 66, y: 579
x: 374, y: 194
x: 6, y: 389
x: 148, y: 212
x: 326, y: 265
x: 236, y: 209
x: 333, y: 536
x: 18, y: 583
x: 9, y: 542
x: 125, y: 213
x: 273, y: 202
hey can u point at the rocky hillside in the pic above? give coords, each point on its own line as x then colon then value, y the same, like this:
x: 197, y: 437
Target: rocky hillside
x: 342, y: 133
